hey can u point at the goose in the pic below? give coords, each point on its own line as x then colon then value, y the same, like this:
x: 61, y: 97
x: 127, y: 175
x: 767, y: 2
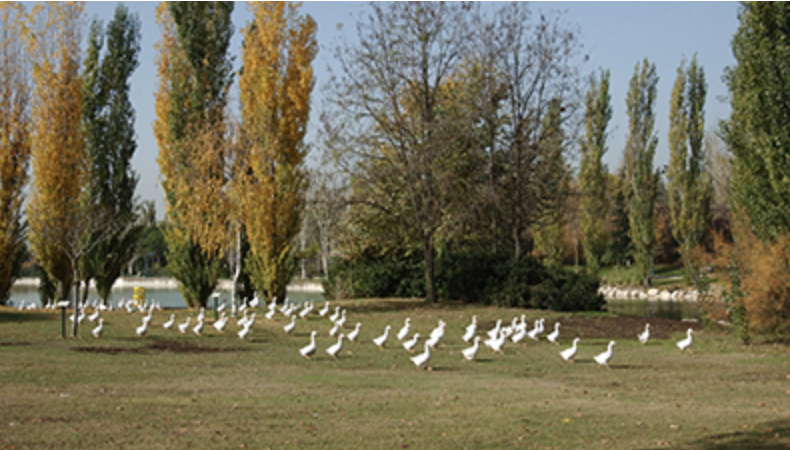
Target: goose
x: 333, y: 331
x: 169, y: 324
x: 471, y: 352
x: 497, y: 344
x: 308, y: 350
x: 494, y: 332
x: 290, y: 327
x: 645, y: 335
x: 342, y: 320
x: 569, y: 353
x: 306, y: 310
x: 422, y: 359
x: 94, y: 316
x: 244, y: 332
x: 533, y: 333
x: 183, y: 326
x: 381, y: 340
x: 438, y: 333
x: 552, y: 337
x: 411, y: 343
x: 255, y: 301
x: 685, y: 343
x: 352, y: 337
x: 270, y: 315
x: 470, y: 333
x: 222, y: 306
x: 334, y: 349
x: 603, y: 358
x: 141, y: 330
x: 198, y: 329
x: 473, y: 325
x: 333, y: 318
x: 404, y: 331
x: 243, y: 320
x: 519, y: 335
x: 322, y: 312
x: 201, y: 314
x: 97, y: 331
x: 221, y: 323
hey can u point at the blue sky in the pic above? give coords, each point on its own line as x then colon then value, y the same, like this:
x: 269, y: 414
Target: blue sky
x: 616, y: 36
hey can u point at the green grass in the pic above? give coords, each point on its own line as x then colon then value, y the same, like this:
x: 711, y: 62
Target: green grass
x: 666, y: 276
x: 173, y: 391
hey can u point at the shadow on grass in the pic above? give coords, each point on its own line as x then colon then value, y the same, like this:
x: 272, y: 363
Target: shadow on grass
x: 774, y: 435
x: 172, y: 346
x: 21, y: 316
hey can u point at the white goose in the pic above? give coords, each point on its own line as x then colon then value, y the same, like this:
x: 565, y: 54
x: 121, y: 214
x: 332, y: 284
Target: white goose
x: 471, y: 352
x: 497, y: 344
x: 142, y: 329
x: 169, y: 324
x: 552, y: 337
x: 334, y: 330
x: 533, y: 333
x: 404, y: 331
x: 270, y: 315
x: 685, y: 343
x: 322, y: 312
x: 290, y: 327
x: 471, y: 329
x: 603, y: 358
x: 519, y: 335
x: 221, y: 323
x: 494, y: 332
x: 244, y: 332
x: 333, y: 318
x: 437, y: 334
x: 98, y: 330
x: 93, y: 317
x: 382, y: 340
x: 411, y: 343
x: 569, y: 353
x: 334, y: 349
x: 342, y: 320
x: 198, y: 328
x: 423, y: 358
x: 352, y: 337
x: 182, y: 327
x: 645, y: 335
x: 308, y: 350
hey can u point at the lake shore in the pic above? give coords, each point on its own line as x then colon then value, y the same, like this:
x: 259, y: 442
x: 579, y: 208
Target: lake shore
x: 171, y: 283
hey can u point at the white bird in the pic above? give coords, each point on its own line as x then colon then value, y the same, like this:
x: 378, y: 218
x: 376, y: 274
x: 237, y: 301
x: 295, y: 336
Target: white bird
x: 552, y: 337
x: 306, y: 310
x: 473, y: 325
x: 352, y: 337
x: 533, y: 333
x: 270, y: 315
x: 438, y: 333
x: 645, y: 335
x: 308, y: 350
x: 342, y: 320
x: 182, y: 327
x: 470, y: 333
x: 381, y: 340
x: 333, y: 317
x: 244, y: 332
x: 603, y: 358
x: 494, y: 332
x: 169, y: 324
x: 201, y: 314
x: 685, y: 343
x: 97, y: 331
x: 290, y: 327
x: 423, y: 358
x: 569, y: 353
x: 519, y: 335
x: 411, y: 343
x: 497, y: 344
x: 198, y: 328
x: 333, y: 331
x: 322, y: 312
x: 221, y: 323
x: 242, y: 322
x: 334, y: 349
x: 94, y: 316
x: 471, y: 352
x: 141, y: 330
x: 404, y: 331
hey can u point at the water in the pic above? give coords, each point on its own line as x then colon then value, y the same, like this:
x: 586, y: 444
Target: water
x: 656, y: 308
x: 169, y: 298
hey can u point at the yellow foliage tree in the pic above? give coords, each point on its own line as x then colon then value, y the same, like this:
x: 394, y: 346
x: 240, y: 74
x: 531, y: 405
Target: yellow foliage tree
x: 58, y: 148
x: 14, y: 141
x: 274, y: 90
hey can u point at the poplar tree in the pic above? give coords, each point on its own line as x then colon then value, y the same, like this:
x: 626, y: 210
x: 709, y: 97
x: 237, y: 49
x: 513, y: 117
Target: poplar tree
x: 15, y: 143
x: 593, y: 173
x: 275, y: 87
x: 640, y: 178
x: 688, y: 184
x: 108, y: 118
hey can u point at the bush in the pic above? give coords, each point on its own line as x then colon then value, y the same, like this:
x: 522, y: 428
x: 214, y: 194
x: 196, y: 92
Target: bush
x: 467, y: 276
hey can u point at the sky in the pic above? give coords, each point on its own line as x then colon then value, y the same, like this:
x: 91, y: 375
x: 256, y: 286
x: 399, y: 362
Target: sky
x: 615, y: 35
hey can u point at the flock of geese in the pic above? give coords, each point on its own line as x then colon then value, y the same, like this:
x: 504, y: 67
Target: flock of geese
x: 495, y: 338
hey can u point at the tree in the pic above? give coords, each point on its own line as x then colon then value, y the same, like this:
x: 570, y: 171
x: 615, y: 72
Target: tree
x: 640, y: 178
x: 108, y: 119
x: 15, y: 143
x: 58, y: 146
x: 399, y: 148
x: 274, y: 90
x: 195, y: 73
x: 592, y: 171
x: 688, y: 184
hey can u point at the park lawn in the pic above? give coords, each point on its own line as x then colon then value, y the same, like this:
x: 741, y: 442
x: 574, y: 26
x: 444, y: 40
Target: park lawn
x: 666, y: 276
x: 173, y: 391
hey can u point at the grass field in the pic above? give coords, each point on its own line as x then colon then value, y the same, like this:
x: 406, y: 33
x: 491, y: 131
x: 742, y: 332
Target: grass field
x: 173, y: 391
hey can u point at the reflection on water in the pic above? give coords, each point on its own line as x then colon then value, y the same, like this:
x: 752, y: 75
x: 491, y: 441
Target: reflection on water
x: 169, y: 298
x: 662, y: 309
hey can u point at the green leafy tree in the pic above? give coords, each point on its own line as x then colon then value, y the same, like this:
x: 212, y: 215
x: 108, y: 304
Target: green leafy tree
x: 108, y: 121
x: 592, y: 171
x: 688, y: 184
x: 640, y: 177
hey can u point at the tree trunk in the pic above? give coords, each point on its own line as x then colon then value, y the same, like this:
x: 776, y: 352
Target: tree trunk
x: 430, y: 284
x: 75, y: 322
